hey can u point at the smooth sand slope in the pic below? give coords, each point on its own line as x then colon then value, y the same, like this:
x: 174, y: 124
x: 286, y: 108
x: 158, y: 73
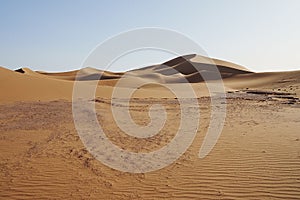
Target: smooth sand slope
x: 256, y: 157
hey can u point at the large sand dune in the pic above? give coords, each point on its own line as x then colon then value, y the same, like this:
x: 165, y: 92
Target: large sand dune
x: 256, y: 157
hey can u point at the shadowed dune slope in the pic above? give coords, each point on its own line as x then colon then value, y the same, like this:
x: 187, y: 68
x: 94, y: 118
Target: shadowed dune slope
x: 192, y: 68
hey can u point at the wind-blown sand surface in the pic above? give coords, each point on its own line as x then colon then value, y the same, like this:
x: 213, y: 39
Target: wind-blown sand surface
x: 256, y: 157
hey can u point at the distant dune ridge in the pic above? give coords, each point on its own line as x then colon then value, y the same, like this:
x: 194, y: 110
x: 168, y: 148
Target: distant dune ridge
x: 173, y: 71
x: 25, y: 84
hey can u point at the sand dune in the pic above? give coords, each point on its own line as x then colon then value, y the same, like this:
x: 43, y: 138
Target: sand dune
x: 256, y: 157
x: 36, y: 85
x: 191, y: 67
x: 30, y: 86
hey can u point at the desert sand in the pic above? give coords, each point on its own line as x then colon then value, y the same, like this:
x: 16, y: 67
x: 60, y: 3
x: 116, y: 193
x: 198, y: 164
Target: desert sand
x: 256, y: 157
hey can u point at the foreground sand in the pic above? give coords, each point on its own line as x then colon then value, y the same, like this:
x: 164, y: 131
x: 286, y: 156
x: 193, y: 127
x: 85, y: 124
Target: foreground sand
x: 256, y: 157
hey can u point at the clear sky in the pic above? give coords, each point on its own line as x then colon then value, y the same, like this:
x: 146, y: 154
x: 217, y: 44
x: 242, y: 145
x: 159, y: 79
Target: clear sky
x: 56, y: 35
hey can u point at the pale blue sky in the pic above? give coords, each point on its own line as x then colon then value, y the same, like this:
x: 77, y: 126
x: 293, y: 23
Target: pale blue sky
x: 56, y: 35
